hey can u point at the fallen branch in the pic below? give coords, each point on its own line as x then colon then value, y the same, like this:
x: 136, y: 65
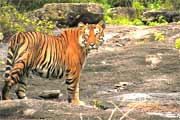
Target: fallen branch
x: 112, y: 113
x: 130, y: 110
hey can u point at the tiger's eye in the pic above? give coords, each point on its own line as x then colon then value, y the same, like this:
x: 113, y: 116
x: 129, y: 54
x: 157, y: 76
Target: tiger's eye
x: 86, y: 32
x: 96, y: 31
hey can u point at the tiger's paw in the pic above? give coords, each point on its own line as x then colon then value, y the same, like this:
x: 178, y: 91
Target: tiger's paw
x: 77, y: 102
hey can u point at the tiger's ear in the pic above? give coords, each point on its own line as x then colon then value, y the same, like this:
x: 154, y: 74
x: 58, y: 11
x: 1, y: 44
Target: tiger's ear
x: 102, y: 23
x: 80, y: 25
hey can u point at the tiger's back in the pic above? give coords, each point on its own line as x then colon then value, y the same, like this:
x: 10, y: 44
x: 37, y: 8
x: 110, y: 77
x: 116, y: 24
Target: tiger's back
x: 51, y: 57
x: 37, y: 51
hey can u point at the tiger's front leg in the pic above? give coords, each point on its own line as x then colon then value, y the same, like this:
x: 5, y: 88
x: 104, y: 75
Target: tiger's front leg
x: 72, y: 81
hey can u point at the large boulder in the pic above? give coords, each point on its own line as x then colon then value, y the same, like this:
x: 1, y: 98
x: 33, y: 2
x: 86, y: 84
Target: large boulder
x: 124, y: 11
x: 169, y: 16
x: 70, y: 14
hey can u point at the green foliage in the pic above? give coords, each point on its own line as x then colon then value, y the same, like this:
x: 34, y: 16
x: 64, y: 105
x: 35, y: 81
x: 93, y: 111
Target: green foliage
x: 139, y: 8
x: 160, y: 20
x: 150, y: 4
x: 177, y: 45
x: 3, y: 2
x: 45, y: 26
x: 137, y: 22
x: 175, y: 4
x: 118, y: 20
x: 1, y: 36
x: 2, y: 62
x: 138, y: 5
x: 12, y: 21
x: 155, y: 5
x: 122, y: 20
x: 26, y: 5
x: 160, y: 4
x: 159, y: 37
x: 9, y: 19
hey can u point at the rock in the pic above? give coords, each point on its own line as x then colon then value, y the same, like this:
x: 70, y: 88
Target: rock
x: 143, y: 34
x: 123, y: 3
x: 49, y: 110
x: 124, y: 11
x: 29, y: 112
x: 169, y: 16
x: 153, y: 60
x: 169, y: 115
x: 50, y: 94
x: 122, y: 85
x: 102, y: 104
x: 70, y: 14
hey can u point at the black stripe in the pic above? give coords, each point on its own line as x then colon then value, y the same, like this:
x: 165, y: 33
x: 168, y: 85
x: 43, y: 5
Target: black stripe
x: 15, y: 79
x: 20, y: 90
x: 62, y: 74
x: 43, y: 66
x: 53, y: 73
x: 44, y: 58
x: 70, y: 81
x: 32, y: 36
x: 16, y: 72
x: 70, y: 89
x: 40, y: 51
x: 6, y: 75
x: 51, y: 49
x: 8, y: 68
x: 8, y: 62
x: 48, y: 73
x: 10, y: 56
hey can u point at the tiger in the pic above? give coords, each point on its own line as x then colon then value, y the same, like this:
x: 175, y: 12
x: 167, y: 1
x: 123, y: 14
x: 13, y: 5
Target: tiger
x: 50, y: 56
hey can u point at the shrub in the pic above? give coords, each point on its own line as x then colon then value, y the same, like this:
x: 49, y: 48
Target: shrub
x: 160, y: 20
x: 12, y: 21
x: 137, y: 22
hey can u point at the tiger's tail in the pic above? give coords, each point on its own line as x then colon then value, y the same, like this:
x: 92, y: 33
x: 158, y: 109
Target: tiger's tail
x: 12, y: 51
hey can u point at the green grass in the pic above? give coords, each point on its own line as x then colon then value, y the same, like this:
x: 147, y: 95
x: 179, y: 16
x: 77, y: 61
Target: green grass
x: 177, y: 45
x: 159, y: 36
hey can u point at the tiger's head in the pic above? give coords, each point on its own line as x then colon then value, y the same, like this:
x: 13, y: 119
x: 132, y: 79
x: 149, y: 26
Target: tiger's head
x: 92, y: 35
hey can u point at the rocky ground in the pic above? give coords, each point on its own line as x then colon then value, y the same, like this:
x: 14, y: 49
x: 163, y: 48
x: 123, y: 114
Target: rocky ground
x: 133, y: 76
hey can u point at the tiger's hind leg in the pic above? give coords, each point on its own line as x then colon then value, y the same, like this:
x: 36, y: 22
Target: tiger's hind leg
x: 11, y: 78
x: 21, y: 89
x: 5, y: 90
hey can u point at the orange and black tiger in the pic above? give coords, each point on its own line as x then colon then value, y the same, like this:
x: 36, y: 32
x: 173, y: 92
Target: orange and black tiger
x: 59, y: 56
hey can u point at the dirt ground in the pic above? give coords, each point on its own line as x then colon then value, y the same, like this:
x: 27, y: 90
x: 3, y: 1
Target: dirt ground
x: 138, y: 77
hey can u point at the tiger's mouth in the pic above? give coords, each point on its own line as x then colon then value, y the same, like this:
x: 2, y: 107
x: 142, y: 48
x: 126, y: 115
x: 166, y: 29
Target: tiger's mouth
x: 91, y: 46
x: 94, y: 46
x: 92, y: 49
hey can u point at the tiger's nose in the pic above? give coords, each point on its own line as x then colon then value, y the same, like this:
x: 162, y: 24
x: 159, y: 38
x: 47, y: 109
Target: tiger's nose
x: 92, y: 44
